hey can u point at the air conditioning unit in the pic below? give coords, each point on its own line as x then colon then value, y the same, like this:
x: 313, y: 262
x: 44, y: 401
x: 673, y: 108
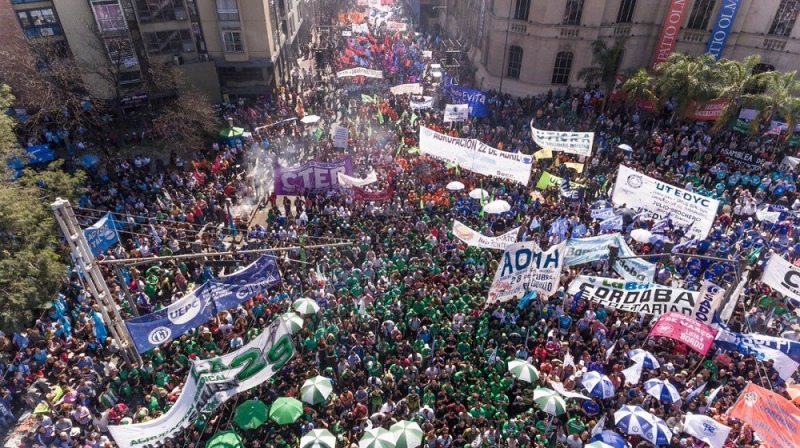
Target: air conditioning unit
x: 180, y: 14
x: 188, y: 47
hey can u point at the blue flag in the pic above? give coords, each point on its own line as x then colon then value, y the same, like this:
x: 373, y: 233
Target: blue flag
x: 100, y: 331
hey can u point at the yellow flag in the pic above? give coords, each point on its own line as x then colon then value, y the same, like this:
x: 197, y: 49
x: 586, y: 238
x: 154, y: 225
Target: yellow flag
x: 545, y: 153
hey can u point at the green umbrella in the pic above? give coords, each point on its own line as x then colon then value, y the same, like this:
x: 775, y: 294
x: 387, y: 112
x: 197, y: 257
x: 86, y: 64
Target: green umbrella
x: 316, y: 390
x: 318, y: 438
x: 285, y: 410
x: 293, y: 322
x: 225, y: 439
x: 305, y: 306
x: 406, y: 434
x: 523, y: 371
x: 251, y: 414
x: 549, y: 401
x: 376, y: 438
x: 231, y: 132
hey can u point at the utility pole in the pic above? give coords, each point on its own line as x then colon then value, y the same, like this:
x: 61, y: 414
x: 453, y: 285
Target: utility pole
x: 94, y: 280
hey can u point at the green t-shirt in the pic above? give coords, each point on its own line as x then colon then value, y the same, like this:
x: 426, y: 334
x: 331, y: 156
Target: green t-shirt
x: 575, y: 426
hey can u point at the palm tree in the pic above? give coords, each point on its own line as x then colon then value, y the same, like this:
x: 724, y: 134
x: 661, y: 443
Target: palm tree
x: 605, y: 65
x: 737, y: 79
x: 684, y: 78
x: 779, y: 99
x: 640, y: 86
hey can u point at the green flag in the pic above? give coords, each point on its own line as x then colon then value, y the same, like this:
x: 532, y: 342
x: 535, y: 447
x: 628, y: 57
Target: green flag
x: 367, y: 99
x: 318, y: 135
x: 377, y: 100
x: 414, y: 118
x: 402, y: 117
x: 380, y: 117
x: 414, y: 150
x: 421, y: 201
x: 754, y: 256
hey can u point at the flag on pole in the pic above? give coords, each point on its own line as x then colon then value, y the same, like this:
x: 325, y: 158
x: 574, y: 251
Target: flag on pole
x: 610, y: 350
x: 706, y: 429
x: 598, y: 428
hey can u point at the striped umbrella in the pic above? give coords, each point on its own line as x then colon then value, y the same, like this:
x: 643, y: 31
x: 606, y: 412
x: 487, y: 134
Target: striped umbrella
x: 634, y: 420
x: 662, y: 390
x: 376, y: 438
x: 293, y: 322
x: 611, y: 439
x: 316, y: 390
x: 645, y: 358
x: 598, y: 444
x: 406, y: 434
x: 660, y: 433
x: 318, y: 438
x: 305, y: 306
x: 549, y: 401
x: 598, y: 385
x: 523, y: 371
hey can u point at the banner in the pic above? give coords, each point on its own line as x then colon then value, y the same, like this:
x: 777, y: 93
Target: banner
x: 548, y: 180
x: 476, y: 239
x: 311, y: 177
x: 525, y: 268
x: 786, y: 346
x: 202, y: 304
x: 340, y: 137
x: 707, y: 112
x: 102, y: 235
x: 746, y: 344
x: 569, y: 193
x: 782, y: 276
x: 742, y: 158
x: 396, y: 26
x: 366, y: 196
x: 634, y: 297
x: 636, y: 190
x: 669, y: 34
x: 360, y: 71
x: 708, y: 301
x: 588, y: 250
x: 723, y: 27
x: 350, y: 181
x: 426, y: 103
x: 571, y: 142
x: 774, y: 418
x: 544, y: 153
x: 475, y: 156
x: 407, y: 89
x: 211, y: 382
x: 477, y: 100
x: 685, y: 329
x: 602, y: 213
x: 456, y: 112
x: 706, y: 429
x: 578, y: 167
x: 614, y: 223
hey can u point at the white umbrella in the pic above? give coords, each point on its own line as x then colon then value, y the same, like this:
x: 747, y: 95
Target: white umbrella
x: 625, y: 147
x: 455, y: 186
x: 549, y: 401
x: 478, y: 193
x: 641, y: 235
x: 305, y: 306
x: 662, y: 390
x: 645, y: 358
x: 660, y: 434
x: 316, y: 390
x: 293, y: 322
x: 376, y: 438
x: 634, y: 420
x: 496, y: 207
x: 523, y: 370
x: 407, y: 434
x: 318, y: 438
x: 308, y: 119
x: 598, y: 385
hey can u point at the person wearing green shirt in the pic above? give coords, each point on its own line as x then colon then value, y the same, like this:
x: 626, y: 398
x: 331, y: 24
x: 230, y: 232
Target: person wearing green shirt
x: 575, y: 425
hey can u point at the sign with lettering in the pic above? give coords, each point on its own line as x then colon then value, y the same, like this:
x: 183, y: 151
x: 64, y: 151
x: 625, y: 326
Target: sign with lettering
x: 477, y: 239
x: 360, y: 71
x: 723, y: 27
x: 102, y: 235
x: 682, y: 328
x: 634, y: 297
x: 571, y: 142
x: 311, y: 177
x: 477, y: 100
x: 588, y: 250
x: 455, y: 112
x: 525, y: 267
x: 741, y: 158
x: 707, y: 112
x: 782, y: 276
x: 669, y: 34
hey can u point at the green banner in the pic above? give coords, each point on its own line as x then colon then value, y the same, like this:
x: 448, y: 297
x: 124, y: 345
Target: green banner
x: 741, y: 126
x: 548, y: 180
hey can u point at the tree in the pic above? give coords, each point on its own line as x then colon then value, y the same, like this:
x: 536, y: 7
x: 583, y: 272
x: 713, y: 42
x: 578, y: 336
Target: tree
x: 685, y: 79
x: 736, y: 79
x: 605, y: 65
x: 780, y: 98
x: 31, y: 269
x: 640, y: 87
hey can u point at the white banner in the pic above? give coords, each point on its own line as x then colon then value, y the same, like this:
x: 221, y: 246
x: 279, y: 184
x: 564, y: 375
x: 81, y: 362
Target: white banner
x: 350, y: 181
x: 525, y: 268
x: 706, y: 429
x: 708, y: 301
x: 588, y: 250
x: 572, y: 142
x: 426, y: 103
x: 476, y: 156
x: 340, y: 137
x: 474, y: 238
x: 635, y: 190
x: 782, y: 276
x: 410, y: 89
x: 602, y: 213
x: 456, y: 112
x: 360, y: 71
x: 634, y: 297
x: 210, y: 383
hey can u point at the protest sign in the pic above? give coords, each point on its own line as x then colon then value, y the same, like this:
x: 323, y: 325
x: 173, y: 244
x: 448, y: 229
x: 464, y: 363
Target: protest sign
x: 360, y: 71
x: 685, y: 329
x: 102, y: 235
x: 476, y: 156
x: 774, y: 418
x: 782, y: 276
x: 548, y: 180
x: 407, y: 89
x: 476, y: 239
x: 706, y: 112
x: 708, y: 301
x: 350, y: 181
x: 602, y: 213
x: 578, y: 167
x: 426, y: 102
x: 456, y: 112
x: 525, y: 267
x: 361, y: 195
x: 477, y: 100
x: 636, y: 190
x: 310, y: 177
x: 634, y: 297
x: 340, y: 137
x: 588, y: 250
x: 570, y: 142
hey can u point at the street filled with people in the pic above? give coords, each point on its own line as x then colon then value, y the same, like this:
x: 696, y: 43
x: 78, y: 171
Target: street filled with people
x: 410, y: 319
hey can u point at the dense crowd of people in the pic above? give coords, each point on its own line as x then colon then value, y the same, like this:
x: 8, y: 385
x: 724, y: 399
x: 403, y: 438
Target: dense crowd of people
x: 404, y: 331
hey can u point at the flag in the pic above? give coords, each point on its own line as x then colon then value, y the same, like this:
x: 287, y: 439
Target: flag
x: 695, y: 392
x: 775, y: 130
x: 421, y: 201
x: 367, y: 99
x: 598, y: 428
x: 686, y: 245
x: 569, y: 360
x: 493, y: 357
x: 526, y: 300
x: 609, y: 224
x: 633, y: 373
x: 380, y: 117
x: 610, y: 351
x: 414, y: 118
x: 573, y: 194
x: 362, y: 308
x: 713, y: 396
x: 662, y: 225
x: 579, y: 231
x: 318, y: 135
x: 100, y: 331
x: 706, y: 429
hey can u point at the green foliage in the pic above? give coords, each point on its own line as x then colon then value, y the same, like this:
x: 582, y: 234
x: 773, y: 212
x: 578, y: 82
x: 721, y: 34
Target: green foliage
x: 605, y: 64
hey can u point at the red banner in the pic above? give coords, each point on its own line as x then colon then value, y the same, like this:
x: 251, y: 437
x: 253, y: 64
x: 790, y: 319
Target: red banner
x: 774, y: 418
x: 707, y: 112
x: 361, y: 195
x: 686, y: 329
x: 669, y: 35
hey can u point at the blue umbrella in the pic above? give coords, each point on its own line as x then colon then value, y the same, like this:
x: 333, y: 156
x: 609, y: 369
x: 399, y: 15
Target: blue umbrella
x: 598, y: 385
x: 662, y: 390
x: 610, y: 438
x: 660, y: 434
x: 647, y: 359
x: 601, y: 204
x: 633, y: 420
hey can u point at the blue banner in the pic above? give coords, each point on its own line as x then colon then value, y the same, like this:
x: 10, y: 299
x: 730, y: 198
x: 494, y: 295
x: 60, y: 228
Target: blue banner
x: 202, y: 304
x: 102, y: 235
x: 722, y: 27
x: 476, y: 99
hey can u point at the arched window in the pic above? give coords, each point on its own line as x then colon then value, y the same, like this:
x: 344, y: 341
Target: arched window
x: 785, y: 18
x: 763, y: 68
x: 625, y: 13
x: 521, y: 9
x: 514, y: 62
x: 562, y: 68
x: 573, y: 12
x: 701, y: 14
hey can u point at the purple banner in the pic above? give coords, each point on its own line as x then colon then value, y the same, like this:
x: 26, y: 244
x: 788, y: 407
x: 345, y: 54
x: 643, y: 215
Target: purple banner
x: 311, y: 177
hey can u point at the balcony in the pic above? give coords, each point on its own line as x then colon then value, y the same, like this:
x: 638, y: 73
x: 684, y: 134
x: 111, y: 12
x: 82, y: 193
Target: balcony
x: 622, y: 30
x: 694, y: 36
x: 774, y: 44
x: 570, y: 32
x: 519, y: 27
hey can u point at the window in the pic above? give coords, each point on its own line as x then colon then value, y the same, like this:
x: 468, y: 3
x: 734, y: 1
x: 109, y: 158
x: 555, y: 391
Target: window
x: 701, y: 14
x: 232, y: 41
x: 573, y: 12
x: 521, y: 9
x: 129, y: 77
x: 625, y: 14
x: 562, y: 68
x: 238, y: 75
x: 39, y: 23
x: 120, y: 51
x: 160, y: 11
x: 227, y: 11
x: 109, y: 16
x: 785, y: 18
x: 763, y: 68
x: 169, y: 42
x: 514, y: 62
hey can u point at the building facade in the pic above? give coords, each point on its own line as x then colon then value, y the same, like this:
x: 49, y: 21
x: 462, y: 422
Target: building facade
x: 224, y: 47
x: 525, y: 47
